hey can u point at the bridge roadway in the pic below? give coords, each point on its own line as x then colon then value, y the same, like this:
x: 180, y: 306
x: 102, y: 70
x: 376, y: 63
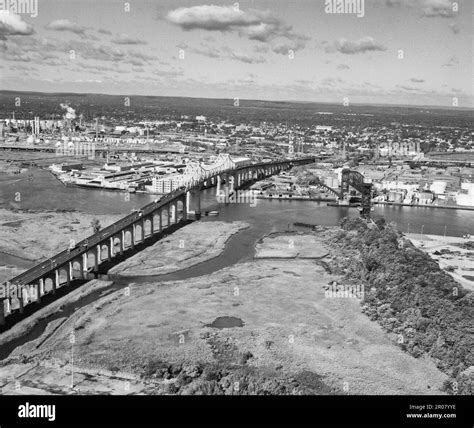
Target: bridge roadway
x: 36, y: 272
x: 65, y: 260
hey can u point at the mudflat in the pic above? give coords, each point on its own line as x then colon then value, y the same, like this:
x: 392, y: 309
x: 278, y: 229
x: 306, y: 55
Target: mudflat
x: 265, y: 326
x: 195, y: 243
x: 36, y: 236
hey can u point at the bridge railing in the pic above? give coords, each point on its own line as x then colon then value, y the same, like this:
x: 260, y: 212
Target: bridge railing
x: 108, y: 232
x: 86, y: 244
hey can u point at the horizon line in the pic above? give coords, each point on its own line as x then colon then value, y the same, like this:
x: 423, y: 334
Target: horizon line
x: 248, y: 99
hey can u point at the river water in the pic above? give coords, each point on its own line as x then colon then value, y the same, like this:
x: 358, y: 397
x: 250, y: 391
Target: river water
x: 38, y: 189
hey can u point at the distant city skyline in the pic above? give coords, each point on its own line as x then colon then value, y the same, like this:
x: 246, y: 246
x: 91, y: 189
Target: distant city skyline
x: 399, y: 52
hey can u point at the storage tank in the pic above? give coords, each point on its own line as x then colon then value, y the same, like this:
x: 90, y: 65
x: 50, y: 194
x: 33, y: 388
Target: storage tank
x: 395, y: 196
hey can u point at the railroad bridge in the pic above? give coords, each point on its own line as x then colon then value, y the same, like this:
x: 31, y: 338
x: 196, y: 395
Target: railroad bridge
x: 84, y: 257
x: 356, y: 180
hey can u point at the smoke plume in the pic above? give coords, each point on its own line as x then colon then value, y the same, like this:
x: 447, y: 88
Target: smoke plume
x: 71, y: 113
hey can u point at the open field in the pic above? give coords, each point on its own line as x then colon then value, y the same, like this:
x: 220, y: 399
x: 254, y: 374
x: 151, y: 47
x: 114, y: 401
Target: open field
x: 287, y: 245
x: 35, y: 236
x: 454, y: 255
x: 265, y: 326
x: 186, y: 247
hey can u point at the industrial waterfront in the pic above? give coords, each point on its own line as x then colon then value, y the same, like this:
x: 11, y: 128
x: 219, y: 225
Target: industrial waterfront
x: 42, y: 192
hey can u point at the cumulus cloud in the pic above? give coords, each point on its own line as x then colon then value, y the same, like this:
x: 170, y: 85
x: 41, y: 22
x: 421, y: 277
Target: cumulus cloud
x: 223, y: 53
x: 124, y: 39
x: 93, y: 67
x: 428, y: 8
x: 66, y: 25
x: 283, y: 46
x: 343, y: 67
x: 214, y: 18
x: 438, y: 8
x: 103, y: 31
x: 406, y: 88
x: 261, y: 49
x: 366, y: 44
x: 243, y: 57
x: 415, y: 80
x: 38, y: 50
x: 30, y: 50
x: 12, y: 25
x: 253, y: 24
x: 331, y: 82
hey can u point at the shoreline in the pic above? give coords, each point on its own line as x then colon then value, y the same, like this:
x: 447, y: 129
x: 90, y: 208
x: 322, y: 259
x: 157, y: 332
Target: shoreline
x: 296, y: 198
x: 170, y: 314
x: 334, y: 201
x: 448, y: 252
x: 446, y: 207
x: 139, y: 264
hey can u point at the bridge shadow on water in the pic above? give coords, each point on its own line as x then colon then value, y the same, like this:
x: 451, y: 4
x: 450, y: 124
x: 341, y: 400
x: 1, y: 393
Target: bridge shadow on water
x: 69, y: 308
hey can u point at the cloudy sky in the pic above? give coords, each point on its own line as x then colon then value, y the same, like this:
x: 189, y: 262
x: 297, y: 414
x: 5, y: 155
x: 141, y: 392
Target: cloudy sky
x: 400, y: 52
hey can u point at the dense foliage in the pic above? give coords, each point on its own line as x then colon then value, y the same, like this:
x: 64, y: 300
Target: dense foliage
x: 410, y: 296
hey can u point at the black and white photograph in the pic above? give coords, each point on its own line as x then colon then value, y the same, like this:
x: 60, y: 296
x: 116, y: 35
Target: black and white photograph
x: 264, y: 198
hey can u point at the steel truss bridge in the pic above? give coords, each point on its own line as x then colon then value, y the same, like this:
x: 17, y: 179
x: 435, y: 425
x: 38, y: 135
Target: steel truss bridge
x: 354, y: 179
x: 162, y: 215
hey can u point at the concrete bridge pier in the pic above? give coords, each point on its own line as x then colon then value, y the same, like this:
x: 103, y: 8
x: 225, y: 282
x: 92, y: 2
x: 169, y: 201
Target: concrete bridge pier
x: 173, y: 214
x: 188, y: 203
x: 98, y: 256
x: 185, y: 208
x: 132, y: 238
x: 111, y: 245
x: 38, y: 291
x: 84, y: 266
x: 69, y: 274
x: 21, y: 303
x: 196, y: 194
x: 198, y: 205
x: 108, y: 252
x: 2, y: 312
